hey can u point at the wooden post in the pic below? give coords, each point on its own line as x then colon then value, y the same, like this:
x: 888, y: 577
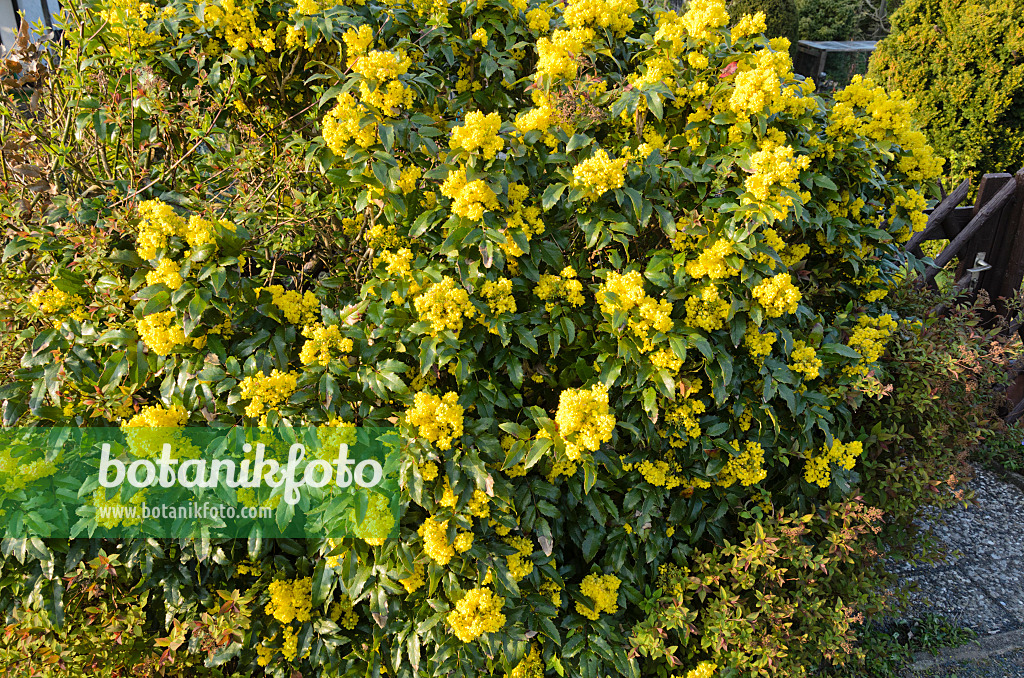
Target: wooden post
x: 1008, y: 285
x: 980, y: 220
x: 987, y: 189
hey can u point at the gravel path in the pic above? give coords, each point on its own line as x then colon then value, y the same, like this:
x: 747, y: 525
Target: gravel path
x: 981, y: 584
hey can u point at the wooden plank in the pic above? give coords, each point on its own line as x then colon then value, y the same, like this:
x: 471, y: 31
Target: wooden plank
x: 936, y: 220
x: 952, y: 224
x: 987, y: 189
x: 980, y: 219
x: 999, y: 252
x: 1013, y: 276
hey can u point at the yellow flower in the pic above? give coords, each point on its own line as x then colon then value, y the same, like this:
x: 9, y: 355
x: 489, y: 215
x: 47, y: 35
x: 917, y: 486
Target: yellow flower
x: 479, y: 132
x: 444, y: 305
x: 439, y: 420
x: 290, y: 600
x: 746, y: 468
x: 599, y: 174
x: 435, y: 541
x: 167, y: 272
x: 478, y: 612
x: 320, y: 341
x: 603, y: 590
x: 158, y: 334
x: 777, y: 295
x: 266, y: 392
x: 805, y: 360
x: 583, y: 419
x: 817, y: 468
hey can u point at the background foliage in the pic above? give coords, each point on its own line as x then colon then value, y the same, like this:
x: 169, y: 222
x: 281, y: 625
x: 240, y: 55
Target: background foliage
x: 961, y: 61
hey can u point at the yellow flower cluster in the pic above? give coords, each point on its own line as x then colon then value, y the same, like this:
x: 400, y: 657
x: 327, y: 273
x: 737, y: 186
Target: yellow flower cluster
x: 817, y: 469
x: 777, y: 295
x: 660, y: 473
x: 610, y: 14
x: 915, y: 205
x: 159, y: 222
x: 498, y: 294
x: 435, y: 541
x: 626, y: 293
x: 522, y: 217
x: 399, y: 263
x: 539, y: 20
x: 343, y: 613
x: 706, y: 669
x: 869, y: 339
x: 557, y: 57
x: 750, y: 25
x: 343, y: 124
x: 683, y: 415
x: 266, y: 392
x: 789, y: 254
x: 532, y: 665
x: 707, y: 310
x: 805, y: 360
x: 774, y: 168
x: 704, y: 16
x: 711, y: 262
x: 478, y: 612
x: 562, y: 286
x: 747, y: 468
x: 53, y: 300
x: 290, y: 600
x: 235, y: 22
x: 886, y: 116
x: 758, y: 343
x: 439, y: 419
x: 381, y: 69
x: 444, y: 305
x: 319, y: 342
x: 599, y: 174
x: 519, y: 563
x: 408, y: 179
x: 416, y: 580
x: 158, y: 333
x: 128, y: 19
x: 666, y: 359
x: 156, y: 416
x: 603, y: 590
x: 480, y: 35
x: 469, y: 199
x: 299, y: 309
x: 479, y: 133
x: 110, y: 513
x: 541, y: 118
x: 583, y: 419
x: 16, y: 473
x: 166, y: 272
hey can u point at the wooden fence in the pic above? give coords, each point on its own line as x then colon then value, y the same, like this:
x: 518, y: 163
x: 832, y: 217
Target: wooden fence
x: 988, y: 238
x: 988, y: 241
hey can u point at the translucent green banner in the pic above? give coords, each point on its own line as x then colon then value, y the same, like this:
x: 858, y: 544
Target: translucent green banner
x: 199, y: 482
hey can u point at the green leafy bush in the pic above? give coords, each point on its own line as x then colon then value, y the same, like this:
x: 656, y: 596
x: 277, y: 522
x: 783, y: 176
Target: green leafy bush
x: 826, y: 19
x: 615, y: 277
x: 962, y: 62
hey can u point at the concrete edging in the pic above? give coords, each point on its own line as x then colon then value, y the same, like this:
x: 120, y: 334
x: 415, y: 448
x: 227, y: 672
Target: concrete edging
x: 983, y: 648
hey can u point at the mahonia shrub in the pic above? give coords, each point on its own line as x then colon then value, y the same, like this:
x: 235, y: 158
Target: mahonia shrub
x: 627, y: 274
x: 959, y: 61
